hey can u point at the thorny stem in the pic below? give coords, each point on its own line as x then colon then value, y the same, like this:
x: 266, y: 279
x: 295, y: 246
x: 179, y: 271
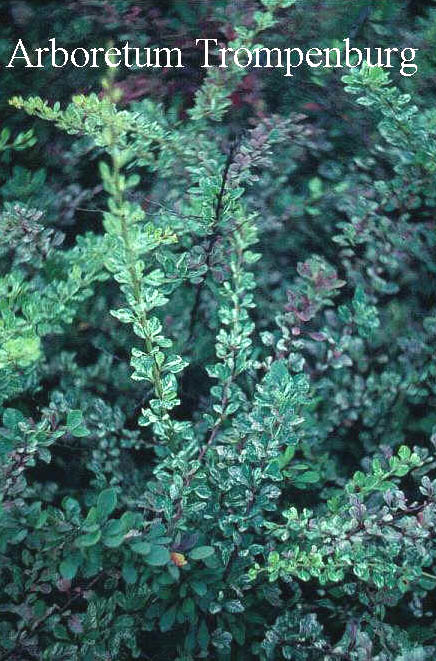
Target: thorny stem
x: 212, y: 241
x: 230, y: 379
x: 136, y: 284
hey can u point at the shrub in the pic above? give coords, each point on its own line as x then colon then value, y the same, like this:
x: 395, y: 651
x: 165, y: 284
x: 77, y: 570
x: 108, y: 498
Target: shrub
x: 217, y: 431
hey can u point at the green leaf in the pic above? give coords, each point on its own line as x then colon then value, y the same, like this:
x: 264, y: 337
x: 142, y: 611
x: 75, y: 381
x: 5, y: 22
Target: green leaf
x: 158, y: 556
x: 106, y: 503
x: 404, y: 453
x: 113, y: 541
x: 60, y: 632
x: 273, y: 471
x: 309, y: 477
x: 88, y: 540
x: 114, y: 527
x: 90, y: 523
x: 113, y: 533
x: 167, y: 619
x: 203, y: 636
x: 130, y: 574
x: 75, y: 424
x: 21, y: 351
x: 199, y: 588
x: 69, y: 566
x: 286, y: 457
x: 143, y: 548
x: 71, y: 506
x: 11, y: 418
x: 201, y: 552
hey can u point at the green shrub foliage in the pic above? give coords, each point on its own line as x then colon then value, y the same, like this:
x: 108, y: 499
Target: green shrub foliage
x: 217, y: 371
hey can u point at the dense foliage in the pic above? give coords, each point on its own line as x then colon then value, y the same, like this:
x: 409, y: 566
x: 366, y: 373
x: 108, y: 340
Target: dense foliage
x: 217, y: 327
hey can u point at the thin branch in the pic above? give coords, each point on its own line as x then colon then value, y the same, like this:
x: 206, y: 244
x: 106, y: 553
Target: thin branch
x: 212, y: 242
x: 41, y: 621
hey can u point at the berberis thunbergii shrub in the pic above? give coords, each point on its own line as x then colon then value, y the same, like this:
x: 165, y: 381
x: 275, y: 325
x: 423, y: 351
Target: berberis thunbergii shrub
x: 217, y: 396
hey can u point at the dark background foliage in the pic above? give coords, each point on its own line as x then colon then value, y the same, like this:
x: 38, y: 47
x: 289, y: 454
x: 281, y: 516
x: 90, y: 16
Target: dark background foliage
x: 287, y: 511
